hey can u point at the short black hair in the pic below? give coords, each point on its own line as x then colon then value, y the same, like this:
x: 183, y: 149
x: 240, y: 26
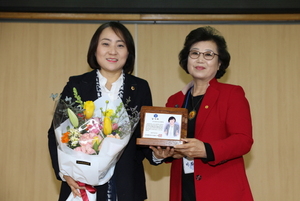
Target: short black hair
x: 206, y: 33
x: 123, y: 33
x: 171, y: 118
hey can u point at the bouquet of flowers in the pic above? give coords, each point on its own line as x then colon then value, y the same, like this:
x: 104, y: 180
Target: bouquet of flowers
x: 91, y: 136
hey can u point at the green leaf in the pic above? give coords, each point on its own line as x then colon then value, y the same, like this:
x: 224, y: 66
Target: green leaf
x: 96, y: 147
x: 73, y: 118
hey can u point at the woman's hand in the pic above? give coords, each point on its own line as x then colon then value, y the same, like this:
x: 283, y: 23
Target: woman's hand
x: 192, y: 148
x: 178, y: 155
x: 73, y: 185
x: 161, y: 153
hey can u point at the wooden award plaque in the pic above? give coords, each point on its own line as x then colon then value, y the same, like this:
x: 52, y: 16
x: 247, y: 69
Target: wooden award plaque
x: 162, y: 126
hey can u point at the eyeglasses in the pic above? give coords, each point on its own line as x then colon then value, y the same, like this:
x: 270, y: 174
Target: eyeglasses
x: 208, y: 55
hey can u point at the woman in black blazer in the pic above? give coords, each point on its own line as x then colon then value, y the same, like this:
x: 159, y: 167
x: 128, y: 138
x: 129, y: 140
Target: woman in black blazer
x: 111, y: 54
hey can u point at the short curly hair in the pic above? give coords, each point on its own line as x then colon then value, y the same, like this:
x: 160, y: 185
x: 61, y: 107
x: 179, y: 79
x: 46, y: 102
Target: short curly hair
x: 122, y: 32
x: 206, y: 33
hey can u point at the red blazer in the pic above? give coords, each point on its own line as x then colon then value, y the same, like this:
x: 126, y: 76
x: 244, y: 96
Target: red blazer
x: 223, y: 121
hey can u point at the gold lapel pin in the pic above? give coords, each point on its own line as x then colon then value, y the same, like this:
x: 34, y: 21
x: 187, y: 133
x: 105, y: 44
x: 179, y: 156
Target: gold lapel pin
x: 206, y: 106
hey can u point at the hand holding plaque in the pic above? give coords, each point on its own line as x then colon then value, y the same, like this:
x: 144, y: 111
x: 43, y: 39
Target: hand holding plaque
x: 162, y: 126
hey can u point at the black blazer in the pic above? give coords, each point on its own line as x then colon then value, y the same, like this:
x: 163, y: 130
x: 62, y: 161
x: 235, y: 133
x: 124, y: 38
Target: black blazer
x: 129, y: 171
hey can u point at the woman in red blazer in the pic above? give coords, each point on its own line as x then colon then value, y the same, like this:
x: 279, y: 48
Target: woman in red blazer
x: 209, y: 166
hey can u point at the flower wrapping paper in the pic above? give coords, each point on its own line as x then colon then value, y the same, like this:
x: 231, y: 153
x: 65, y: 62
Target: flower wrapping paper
x: 93, y: 169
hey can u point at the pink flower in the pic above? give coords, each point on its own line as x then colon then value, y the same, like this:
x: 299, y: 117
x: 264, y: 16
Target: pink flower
x: 86, y: 138
x: 115, y: 126
x: 87, y: 149
x: 87, y: 141
x: 94, y: 126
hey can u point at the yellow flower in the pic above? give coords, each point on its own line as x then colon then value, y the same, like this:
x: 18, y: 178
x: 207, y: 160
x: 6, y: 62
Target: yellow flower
x: 107, y: 126
x: 108, y: 112
x: 89, y: 108
x: 96, y: 140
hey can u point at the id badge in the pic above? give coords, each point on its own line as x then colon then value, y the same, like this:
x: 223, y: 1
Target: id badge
x: 188, y: 165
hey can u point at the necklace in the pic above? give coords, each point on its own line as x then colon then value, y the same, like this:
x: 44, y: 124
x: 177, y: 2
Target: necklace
x: 193, y: 113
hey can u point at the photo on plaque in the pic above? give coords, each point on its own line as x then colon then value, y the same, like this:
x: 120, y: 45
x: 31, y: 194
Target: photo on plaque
x: 162, y: 126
